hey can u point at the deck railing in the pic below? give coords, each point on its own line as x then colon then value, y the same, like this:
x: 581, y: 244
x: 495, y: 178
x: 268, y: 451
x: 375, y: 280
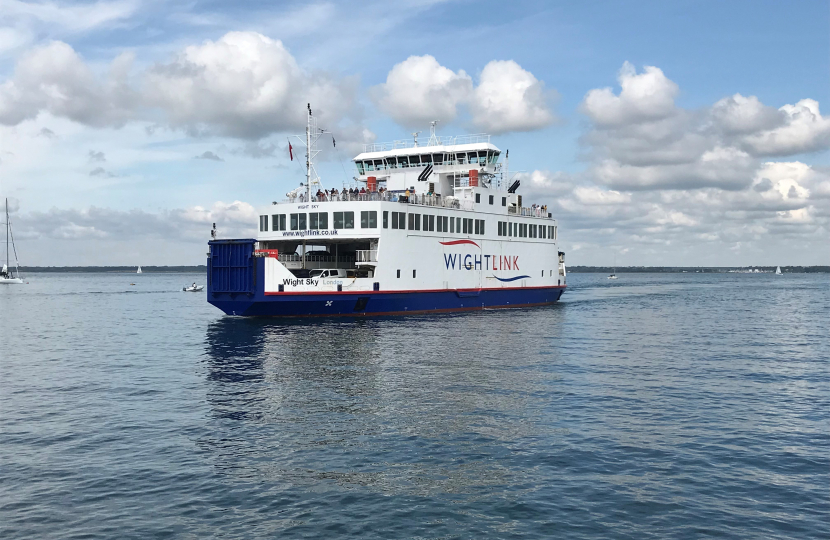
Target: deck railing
x: 366, y: 256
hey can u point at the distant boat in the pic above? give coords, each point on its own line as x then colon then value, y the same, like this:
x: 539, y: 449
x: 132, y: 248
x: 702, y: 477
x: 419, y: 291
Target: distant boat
x: 778, y: 271
x: 6, y: 274
x: 614, y: 273
x: 193, y: 288
x: 138, y: 271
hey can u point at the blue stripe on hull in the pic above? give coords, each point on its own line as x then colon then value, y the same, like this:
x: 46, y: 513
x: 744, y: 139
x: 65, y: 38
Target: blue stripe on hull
x: 380, y: 303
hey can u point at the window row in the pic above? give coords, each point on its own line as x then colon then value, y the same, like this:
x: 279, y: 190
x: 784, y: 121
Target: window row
x: 430, y: 223
x: 318, y: 221
x: 527, y: 230
x: 480, y: 157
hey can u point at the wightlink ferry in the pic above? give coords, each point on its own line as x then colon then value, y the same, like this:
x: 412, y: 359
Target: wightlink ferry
x: 432, y: 227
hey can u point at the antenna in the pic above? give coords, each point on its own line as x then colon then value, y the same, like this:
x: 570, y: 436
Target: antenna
x: 415, y: 136
x: 433, y: 139
x: 312, y: 135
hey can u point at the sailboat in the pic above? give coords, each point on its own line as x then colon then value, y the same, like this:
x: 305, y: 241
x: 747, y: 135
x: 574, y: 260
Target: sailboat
x: 139, y: 270
x: 778, y: 271
x: 6, y: 274
x: 614, y: 273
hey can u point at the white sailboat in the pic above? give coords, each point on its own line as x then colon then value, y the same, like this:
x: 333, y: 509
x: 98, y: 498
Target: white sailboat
x: 614, y: 273
x: 6, y: 274
x: 778, y: 271
x: 139, y: 270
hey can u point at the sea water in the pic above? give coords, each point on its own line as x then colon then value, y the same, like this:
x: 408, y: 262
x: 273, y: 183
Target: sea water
x: 653, y: 406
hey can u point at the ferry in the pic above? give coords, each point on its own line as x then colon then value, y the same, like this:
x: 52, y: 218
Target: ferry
x: 432, y: 227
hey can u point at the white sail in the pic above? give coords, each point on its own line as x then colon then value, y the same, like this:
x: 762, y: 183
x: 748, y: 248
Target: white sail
x: 138, y: 271
x: 777, y: 270
x: 6, y: 275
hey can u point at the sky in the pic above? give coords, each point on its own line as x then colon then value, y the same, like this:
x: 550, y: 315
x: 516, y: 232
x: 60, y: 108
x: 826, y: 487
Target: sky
x: 686, y: 133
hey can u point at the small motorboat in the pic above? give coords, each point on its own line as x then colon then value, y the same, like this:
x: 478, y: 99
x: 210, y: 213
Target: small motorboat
x: 193, y: 288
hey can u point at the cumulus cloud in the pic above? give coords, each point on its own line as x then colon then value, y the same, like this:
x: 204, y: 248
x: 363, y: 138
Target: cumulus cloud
x: 647, y: 96
x: 802, y: 129
x: 507, y: 97
x: 419, y: 90
x: 97, y: 157
x: 54, y: 78
x: 639, y: 139
x: 243, y: 85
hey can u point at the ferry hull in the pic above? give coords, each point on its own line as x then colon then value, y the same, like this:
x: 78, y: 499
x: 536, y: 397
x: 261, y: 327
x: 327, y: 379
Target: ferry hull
x: 369, y: 303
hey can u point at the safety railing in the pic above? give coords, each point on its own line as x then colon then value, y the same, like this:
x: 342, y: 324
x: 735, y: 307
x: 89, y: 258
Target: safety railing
x: 537, y: 211
x: 432, y: 141
x: 366, y: 256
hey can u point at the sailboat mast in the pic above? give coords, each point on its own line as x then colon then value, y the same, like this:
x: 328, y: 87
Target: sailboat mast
x: 7, y: 231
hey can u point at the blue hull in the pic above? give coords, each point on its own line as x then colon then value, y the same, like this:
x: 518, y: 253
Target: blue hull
x: 379, y: 302
x: 236, y: 285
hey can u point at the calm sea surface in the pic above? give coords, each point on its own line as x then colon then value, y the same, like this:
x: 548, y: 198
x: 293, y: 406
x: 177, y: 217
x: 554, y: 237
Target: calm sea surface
x: 656, y: 406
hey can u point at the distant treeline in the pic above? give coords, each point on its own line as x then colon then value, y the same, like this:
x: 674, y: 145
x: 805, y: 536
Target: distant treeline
x: 117, y: 269
x: 696, y: 269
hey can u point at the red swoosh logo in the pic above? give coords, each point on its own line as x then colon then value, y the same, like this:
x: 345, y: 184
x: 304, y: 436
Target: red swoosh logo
x: 456, y: 242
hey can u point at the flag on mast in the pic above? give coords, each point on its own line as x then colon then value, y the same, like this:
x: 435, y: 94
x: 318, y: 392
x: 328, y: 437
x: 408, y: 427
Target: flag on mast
x: 290, y: 151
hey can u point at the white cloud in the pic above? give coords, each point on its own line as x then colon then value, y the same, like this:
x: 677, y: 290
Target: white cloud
x: 419, y: 90
x: 53, y: 78
x: 741, y: 115
x: 643, y: 97
x: 640, y: 140
x: 507, y: 98
x: 243, y: 85
x: 803, y: 129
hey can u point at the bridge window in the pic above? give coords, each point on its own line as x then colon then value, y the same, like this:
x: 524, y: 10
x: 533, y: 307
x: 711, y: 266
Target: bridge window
x: 278, y: 222
x: 344, y: 220
x: 369, y: 219
x: 438, y: 159
x: 472, y: 157
x: 414, y: 161
x: 369, y: 166
x: 298, y: 222
x: 379, y: 165
x: 482, y: 156
x: 263, y: 223
x: 318, y: 220
x: 403, y: 161
x: 426, y: 159
x: 391, y: 163
x: 359, y: 167
x: 494, y: 157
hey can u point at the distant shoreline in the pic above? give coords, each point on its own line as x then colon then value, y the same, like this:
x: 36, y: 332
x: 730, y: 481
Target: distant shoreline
x: 114, y: 269
x: 574, y: 269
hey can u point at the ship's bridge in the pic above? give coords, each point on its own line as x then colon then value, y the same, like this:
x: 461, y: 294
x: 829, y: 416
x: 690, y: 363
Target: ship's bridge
x: 438, y: 167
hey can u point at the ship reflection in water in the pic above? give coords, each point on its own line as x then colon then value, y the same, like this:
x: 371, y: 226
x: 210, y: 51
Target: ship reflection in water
x: 402, y: 405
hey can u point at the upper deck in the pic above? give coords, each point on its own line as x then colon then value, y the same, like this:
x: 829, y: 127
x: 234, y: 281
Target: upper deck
x: 439, y: 166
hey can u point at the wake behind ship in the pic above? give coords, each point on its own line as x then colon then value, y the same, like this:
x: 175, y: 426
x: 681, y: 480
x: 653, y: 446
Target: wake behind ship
x: 433, y: 228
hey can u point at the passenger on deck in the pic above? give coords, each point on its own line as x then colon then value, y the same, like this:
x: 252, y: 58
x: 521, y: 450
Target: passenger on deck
x: 363, y: 191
